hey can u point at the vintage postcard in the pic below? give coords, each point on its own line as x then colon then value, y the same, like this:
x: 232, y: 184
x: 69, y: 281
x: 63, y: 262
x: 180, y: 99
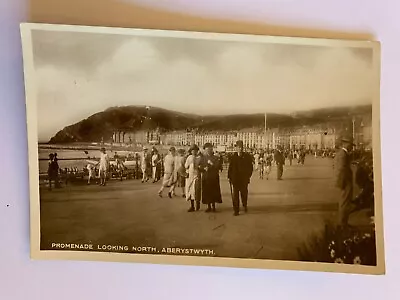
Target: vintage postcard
x: 204, y: 149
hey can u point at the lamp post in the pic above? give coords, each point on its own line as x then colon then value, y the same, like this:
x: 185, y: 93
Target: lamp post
x: 265, y: 131
x: 353, y: 121
x: 265, y: 123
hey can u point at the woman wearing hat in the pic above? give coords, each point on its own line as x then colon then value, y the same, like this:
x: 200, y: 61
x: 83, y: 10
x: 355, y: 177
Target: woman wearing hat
x: 169, y: 168
x: 193, y: 184
x: 104, y: 166
x: 209, y: 167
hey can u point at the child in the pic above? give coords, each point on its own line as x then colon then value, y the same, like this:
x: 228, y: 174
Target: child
x: 90, y: 169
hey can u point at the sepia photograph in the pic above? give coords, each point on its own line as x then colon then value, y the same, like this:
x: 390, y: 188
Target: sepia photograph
x: 205, y: 149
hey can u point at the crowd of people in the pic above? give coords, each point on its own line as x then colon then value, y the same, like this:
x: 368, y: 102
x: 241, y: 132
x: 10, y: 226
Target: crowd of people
x: 196, y: 173
x: 263, y: 160
x: 175, y: 169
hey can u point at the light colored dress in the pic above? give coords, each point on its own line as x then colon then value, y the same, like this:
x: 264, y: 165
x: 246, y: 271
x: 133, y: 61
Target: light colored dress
x: 193, y: 181
x: 90, y: 168
x: 154, y: 162
x: 145, y: 162
x: 103, y: 164
x: 169, y: 166
x: 179, y: 166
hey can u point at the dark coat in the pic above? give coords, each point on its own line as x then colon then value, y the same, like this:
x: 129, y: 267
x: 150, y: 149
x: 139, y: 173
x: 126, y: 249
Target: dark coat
x: 53, y: 169
x: 240, y: 169
x: 343, y: 174
x: 279, y: 157
x: 210, y: 186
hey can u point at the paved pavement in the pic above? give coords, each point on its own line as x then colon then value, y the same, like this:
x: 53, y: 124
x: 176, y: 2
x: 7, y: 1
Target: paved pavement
x: 282, y: 214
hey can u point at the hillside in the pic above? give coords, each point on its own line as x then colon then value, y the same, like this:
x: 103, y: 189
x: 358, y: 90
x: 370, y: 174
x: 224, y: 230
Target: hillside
x: 128, y: 118
x: 103, y: 124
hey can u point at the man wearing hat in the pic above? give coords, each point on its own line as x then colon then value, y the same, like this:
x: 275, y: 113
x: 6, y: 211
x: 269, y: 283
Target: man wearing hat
x: 239, y: 173
x: 155, y: 162
x: 344, y: 179
x: 280, y: 161
x: 210, y: 167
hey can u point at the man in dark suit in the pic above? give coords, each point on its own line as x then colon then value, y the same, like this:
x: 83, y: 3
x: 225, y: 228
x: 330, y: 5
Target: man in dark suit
x: 239, y: 173
x: 280, y: 161
x: 344, y: 180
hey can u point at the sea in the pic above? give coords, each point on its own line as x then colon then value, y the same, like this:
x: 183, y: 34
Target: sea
x: 72, y: 158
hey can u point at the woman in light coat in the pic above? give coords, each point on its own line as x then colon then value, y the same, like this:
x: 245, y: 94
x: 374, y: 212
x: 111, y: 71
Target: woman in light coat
x: 193, y: 182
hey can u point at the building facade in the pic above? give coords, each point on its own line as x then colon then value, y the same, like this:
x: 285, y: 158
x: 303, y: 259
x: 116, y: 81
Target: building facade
x: 317, y: 137
x: 137, y: 137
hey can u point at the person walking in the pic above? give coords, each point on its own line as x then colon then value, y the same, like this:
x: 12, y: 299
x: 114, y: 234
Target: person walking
x: 119, y: 166
x: 159, y: 167
x: 256, y: 160
x: 268, y: 163
x: 155, y: 159
x: 145, y: 164
x: 210, y: 185
x: 169, y: 168
x: 262, y: 165
x: 51, y: 170
x: 344, y: 180
x: 179, y: 172
x: 136, y: 158
x: 280, y: 161
x: 104, y: 166
x: 56, y: 172
x: 290, y: 157
x: 91, y: 171
x: 193, y: 181
x: 239, y: 173
x: 302, y: 156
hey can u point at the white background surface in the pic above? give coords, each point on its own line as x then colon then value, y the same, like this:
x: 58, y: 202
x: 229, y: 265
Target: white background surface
x: 21, y: 278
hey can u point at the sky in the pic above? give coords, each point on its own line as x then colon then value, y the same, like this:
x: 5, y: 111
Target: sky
x: 79, y: 74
